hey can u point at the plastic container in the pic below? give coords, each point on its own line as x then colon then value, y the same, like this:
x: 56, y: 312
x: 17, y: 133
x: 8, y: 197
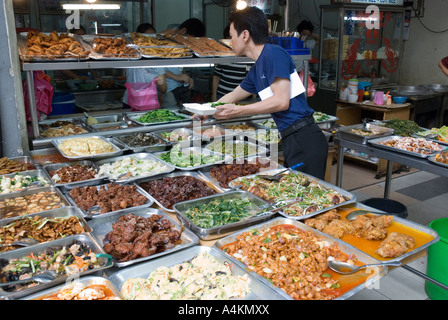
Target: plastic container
x: 399, y: 100
x: 387, y: 205
x: 63, y: 103
x: 437, y: 263
x: 293, y: 45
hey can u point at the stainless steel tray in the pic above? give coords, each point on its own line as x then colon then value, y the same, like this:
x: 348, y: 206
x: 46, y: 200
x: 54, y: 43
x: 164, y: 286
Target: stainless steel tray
x: 135, y: 116
x: 260, y: 137
x: 87, y: 281
x: 150, y: 148
x: 64, y: 212
x: 191, y: 136
x: 327, y: 124
x: 240, y: 143
x: 33, y: 191
x: 103, y: 225
x: 376, y: 143
x: 346, y: 132
x: 139, y: 156
x: 32, y: 173
x: 350, y: 198
x: 258, y: 290
x: 85, y: 238
x: 433, y: 160
x: 210, y: 132
x: 148, y: 203
x: 43, y: 152
x: 251, y: 124
x: 196, y: 151
x: 193, y: 174
x: 64, y: 187
x: 88, y: 41
x: 117, y: 149
x: 410, y: 224
x: 266, y: 123
x: 273, y: 165
x: 25, y: 160
x: 346, y: 248
x: 221, y: 231
x: 75, y: 122
x: 105, y: 119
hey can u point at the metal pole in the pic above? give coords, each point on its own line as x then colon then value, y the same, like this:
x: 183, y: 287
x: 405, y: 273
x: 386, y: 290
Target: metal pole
x: 424, y: 276
x: 32, y: 103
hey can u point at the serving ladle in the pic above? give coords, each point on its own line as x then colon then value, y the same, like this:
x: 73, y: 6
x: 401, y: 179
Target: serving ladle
x: 26, y: 242
x: 276, y: 177
x: 352, y: 215
x: 44, y: 277
x: 347, y: 268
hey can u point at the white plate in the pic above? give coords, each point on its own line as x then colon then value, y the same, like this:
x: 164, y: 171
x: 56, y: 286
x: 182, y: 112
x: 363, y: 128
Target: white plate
x: 204, y: 109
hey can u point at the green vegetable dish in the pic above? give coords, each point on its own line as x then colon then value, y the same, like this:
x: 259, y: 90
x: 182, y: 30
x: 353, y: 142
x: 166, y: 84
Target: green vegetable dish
x: 220, y: 212
x: 179, y: 158
x: 404, y: 128
x: 159, y: 115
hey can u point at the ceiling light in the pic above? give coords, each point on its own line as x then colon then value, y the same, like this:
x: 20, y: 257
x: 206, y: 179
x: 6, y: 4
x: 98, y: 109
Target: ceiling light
x: 241, y: 4
x: 69, y: 6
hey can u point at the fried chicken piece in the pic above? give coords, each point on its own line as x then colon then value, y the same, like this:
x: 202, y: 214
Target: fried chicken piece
x: 337, y: 228
x: 321, y: 221
x: 372, y: 227
x: 395, y: 245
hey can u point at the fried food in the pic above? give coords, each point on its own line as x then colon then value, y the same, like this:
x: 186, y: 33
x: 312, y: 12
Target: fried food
x: 113, y: 47
x: 372, y: 227
x: 395, y: 245
x: 11, y: 166
x: 204, y: 46
x: 85, y: 146
x: 65, y: 130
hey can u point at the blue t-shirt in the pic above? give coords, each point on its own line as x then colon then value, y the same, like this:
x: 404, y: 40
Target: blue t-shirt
x: 275, y: 62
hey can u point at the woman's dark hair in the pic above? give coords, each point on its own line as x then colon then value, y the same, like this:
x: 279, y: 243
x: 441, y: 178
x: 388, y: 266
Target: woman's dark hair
x: 194, y: 27
x: 253, y: 20
x: 305, y: 25
x: 81, y: 28
x: 143, y: 28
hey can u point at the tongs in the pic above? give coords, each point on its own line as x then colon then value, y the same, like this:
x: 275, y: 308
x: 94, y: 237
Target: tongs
x: 260, y: 210
x: 276, y: 177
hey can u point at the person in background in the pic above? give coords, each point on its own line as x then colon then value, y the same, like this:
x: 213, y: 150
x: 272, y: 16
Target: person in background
x: 310, y: 40
x: 443, y: 65
x: 226, y: 77
x: 193, y: 27
x: 275, y: 79
x: 138, y: 75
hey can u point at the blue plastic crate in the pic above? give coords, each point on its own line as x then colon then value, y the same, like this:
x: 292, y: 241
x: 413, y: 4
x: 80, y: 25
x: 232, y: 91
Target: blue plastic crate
x: 292, y: 45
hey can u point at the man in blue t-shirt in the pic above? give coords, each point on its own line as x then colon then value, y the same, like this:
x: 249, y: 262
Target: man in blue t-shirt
x: 276, y: 81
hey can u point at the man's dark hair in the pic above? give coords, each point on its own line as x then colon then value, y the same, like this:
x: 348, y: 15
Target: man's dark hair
x: 194, y: 27
x: 251, y: 19
x: 305, y: 25
x: 142, y: 28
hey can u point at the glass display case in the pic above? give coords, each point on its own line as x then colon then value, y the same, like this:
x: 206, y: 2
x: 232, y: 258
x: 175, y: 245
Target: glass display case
x: 360, y: 44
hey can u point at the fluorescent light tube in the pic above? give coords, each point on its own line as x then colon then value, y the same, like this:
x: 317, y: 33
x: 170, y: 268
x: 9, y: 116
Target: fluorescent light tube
x: 69, y: 6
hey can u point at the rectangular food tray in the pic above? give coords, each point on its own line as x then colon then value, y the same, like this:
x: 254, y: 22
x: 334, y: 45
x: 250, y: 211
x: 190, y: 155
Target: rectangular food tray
x: 135, y: 116
x: 350, y: 198
x: 140, y: 156
x: 346, y: 133
x: 117, y: 149
x: 85, y: 238
x: 32, y: 173
x: 193, y: 174
x: 148, y: 203
x: 376, y: 143
x: 150, y: 148
x: 346, y: 248
x: 103, y: 225
x: 64, y: 187
x: 191, y: 136
x: 220, y: 231
x: 258, y: 290
x: 240, y: 143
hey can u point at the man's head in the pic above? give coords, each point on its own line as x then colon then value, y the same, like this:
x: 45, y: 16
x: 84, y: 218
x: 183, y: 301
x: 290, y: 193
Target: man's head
x: 254, y: 21
x: 193, y: 27
x: 305, y: 28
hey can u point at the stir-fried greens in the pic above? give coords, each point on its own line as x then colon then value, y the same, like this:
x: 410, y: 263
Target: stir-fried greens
x: 159, y: 115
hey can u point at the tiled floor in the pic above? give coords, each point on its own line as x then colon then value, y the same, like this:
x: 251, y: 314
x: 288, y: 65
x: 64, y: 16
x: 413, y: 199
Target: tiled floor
x: 426, y: 197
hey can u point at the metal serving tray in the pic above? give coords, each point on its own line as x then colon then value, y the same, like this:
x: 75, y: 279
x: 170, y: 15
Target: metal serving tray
x: 327, y: 124
x: 273, y: 165
x: 191, y: 136
x: 150, y: 148
x: 75, y: 122
x: 346, y: 132
x: 141, y: 156
x: 103, y: 225
x: 63, y: 212
x: 240, y: 144
x: 25, y: 160
x: 135, y: 116
x: 376, y: 143
x: 252, y: 124
x: 64, y: 187
x: 148, y: 203
x: 209, y: 132
x: 32, y: 173
x: 193, y: 174
x: 88, y: 41
x: 85, y: 238
x: 4, y: 197
x: 410, y: 224
x: 346, y: 248
x: 43, y: 152
x: 255, y: 137
x: 262, y: 123
x: 350, y: 198
x: 112, y: 118
x: 117, y: 149
x: 221, y: 231
x: 87, y: 281
x: 433, y: 160
x: 258, y: 290
x: 197, y: 151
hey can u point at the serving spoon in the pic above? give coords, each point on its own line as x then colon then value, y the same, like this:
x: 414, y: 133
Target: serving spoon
x: 346, y: 268
x: 352, y: 215
x: 21, y: 243
x: 276, y: 177
x: 44, y: 277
